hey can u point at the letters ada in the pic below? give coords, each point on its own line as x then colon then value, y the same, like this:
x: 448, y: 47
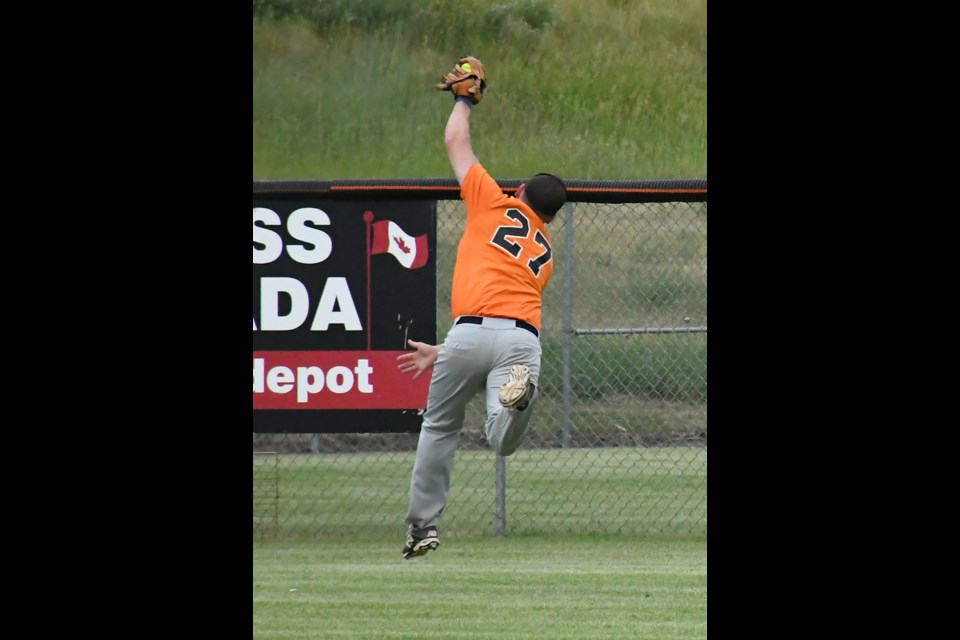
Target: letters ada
x: 343, y: 275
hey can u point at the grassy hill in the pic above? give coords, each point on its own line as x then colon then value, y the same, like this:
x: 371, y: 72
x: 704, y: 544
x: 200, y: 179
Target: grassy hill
x: 608, y: 90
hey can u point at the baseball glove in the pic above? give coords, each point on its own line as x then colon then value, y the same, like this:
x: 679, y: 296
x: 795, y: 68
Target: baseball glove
x: 468, y: 79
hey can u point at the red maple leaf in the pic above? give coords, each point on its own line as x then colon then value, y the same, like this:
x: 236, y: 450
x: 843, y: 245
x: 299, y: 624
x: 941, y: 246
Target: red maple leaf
x: 401, y: 244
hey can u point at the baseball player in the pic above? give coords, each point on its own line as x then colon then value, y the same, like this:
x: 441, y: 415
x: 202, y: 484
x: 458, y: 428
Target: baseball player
x: 504, y: 262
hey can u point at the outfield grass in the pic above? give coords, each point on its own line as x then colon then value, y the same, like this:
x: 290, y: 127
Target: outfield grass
x: 517, y: 588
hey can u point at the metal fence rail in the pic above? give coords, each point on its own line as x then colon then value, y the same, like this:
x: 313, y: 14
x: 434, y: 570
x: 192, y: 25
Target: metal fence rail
x: 618, y: 442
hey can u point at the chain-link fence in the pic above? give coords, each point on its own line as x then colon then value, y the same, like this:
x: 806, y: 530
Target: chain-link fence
x: 619, y: 439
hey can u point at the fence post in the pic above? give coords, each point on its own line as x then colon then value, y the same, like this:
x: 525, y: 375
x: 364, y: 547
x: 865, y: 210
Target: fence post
x: 501, y: 500
x: 567, y: 313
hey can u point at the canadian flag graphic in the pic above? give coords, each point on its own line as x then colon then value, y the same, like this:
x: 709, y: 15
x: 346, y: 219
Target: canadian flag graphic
x: 412, y: 252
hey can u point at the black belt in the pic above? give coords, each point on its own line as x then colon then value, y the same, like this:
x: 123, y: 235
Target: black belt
x: 479, y: 320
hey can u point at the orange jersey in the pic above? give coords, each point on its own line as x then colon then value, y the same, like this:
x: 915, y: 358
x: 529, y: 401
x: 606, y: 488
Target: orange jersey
x: 505, y: 259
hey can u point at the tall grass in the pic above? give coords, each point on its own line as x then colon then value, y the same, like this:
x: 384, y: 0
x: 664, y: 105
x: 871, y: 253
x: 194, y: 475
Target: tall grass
x: 605, y: 90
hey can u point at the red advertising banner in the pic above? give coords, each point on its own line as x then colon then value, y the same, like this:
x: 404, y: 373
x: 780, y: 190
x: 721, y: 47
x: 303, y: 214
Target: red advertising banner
x: 334, y: 380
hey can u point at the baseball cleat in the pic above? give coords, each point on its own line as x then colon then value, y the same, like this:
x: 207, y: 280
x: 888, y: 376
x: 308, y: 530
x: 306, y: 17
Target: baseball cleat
x: 419, y: 541
x: 515, y: 392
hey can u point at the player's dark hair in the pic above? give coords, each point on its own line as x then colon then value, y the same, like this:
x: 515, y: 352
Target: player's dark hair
x: 546, y: 193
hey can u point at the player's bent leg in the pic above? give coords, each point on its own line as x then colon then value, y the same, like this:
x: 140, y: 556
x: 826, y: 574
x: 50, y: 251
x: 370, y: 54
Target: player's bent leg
x: 507, y: 428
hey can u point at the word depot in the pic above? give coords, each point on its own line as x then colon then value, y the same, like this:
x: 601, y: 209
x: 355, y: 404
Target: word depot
x: 307, y: 380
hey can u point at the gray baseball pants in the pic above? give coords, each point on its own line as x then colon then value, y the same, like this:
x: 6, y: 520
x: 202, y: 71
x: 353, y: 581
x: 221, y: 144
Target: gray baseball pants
x: 473, y: 358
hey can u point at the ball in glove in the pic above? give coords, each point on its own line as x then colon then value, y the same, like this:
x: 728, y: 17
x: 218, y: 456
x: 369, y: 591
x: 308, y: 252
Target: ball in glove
x: 468, y: 79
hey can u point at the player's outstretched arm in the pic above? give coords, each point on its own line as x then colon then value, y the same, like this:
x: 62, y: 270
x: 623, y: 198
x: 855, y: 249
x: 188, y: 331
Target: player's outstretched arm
x: 456, y: 137
x: 420, y: 360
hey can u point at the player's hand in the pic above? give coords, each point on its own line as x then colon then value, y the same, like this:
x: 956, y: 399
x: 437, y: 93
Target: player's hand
x: 420, y: 360
x: 467, y: 80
